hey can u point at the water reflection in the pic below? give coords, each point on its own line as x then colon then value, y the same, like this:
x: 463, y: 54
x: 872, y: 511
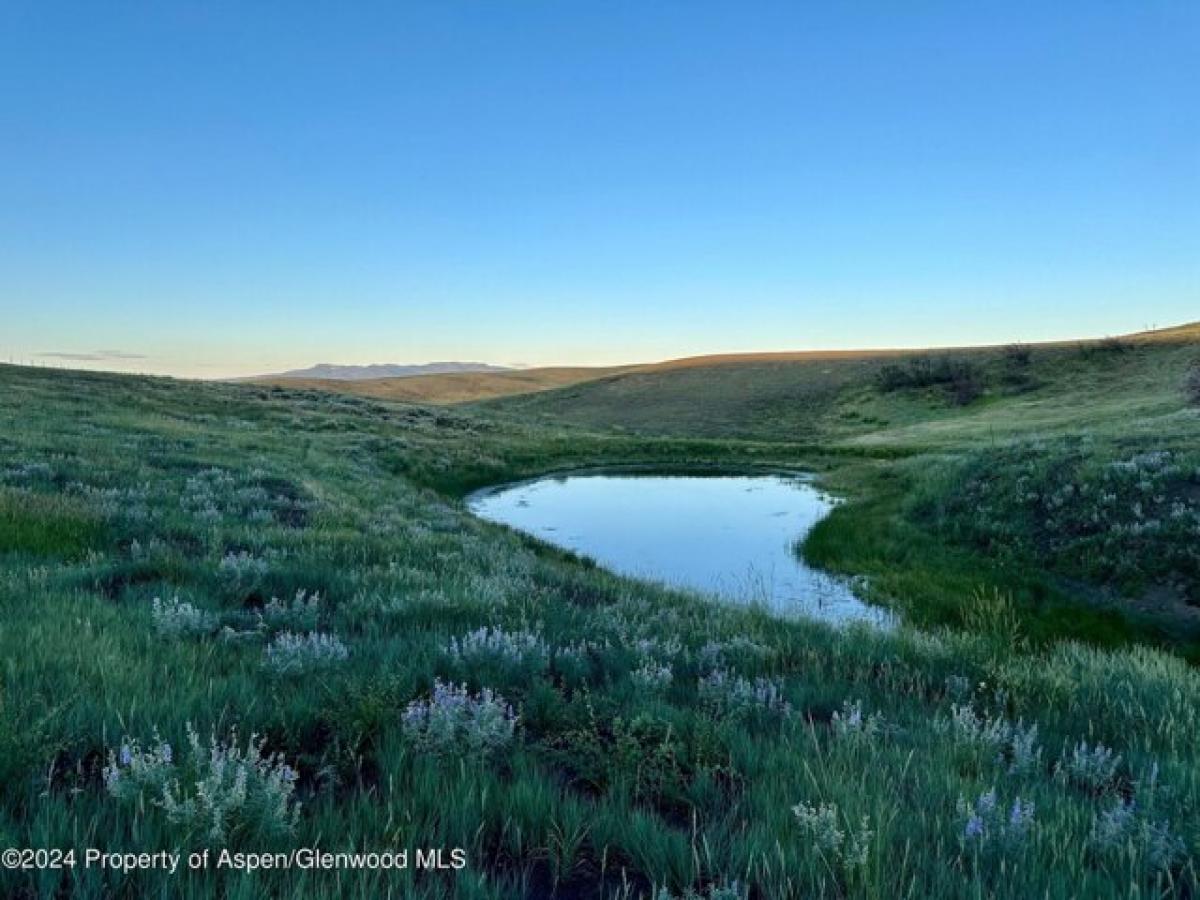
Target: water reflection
x: 732, y: 536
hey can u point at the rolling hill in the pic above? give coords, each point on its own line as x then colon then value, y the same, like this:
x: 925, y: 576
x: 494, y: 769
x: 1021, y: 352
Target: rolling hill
x: 834, y: 397
x: 335, y: 372
x: 453, y: 387
x: 799, y: 395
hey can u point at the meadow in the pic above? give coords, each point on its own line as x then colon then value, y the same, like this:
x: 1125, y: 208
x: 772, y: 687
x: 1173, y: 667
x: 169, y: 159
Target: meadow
x: 260, y: 618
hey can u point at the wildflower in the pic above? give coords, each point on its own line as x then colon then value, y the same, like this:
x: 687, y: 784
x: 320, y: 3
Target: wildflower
x: 1123, y: 829
x: 509, y: 647
x: 851, y: 723
x: 737, y: 695
x: 292, y: 653
x: 229, y: 788
x: 987, y: 824
x: 303, y: 613
x: 1013, y: 744
x: 1091, y: 768
x: 820, y: 825
x: 652, y: 676
x: 132, y: 770
x: 453, y: 721
x: 176, y: 618
x: 240, y: 570
x: 1024, y: 754
x: 1020, y: 816
x: 730, y: 891
x: 974, y: 826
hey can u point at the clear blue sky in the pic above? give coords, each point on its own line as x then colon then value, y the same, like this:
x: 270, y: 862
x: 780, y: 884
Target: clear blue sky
x: 226, y: 188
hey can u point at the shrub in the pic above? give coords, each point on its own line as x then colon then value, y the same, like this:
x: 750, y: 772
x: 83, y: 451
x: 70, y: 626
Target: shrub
x: 1191, y: 383
x: 1017, y: 355
x: 1014, y: 745
x: 242, y: 570
x: 228, y: 789
x: 302, y: 614
x: 1092, y: 768
x: 1123, y: 829
x: 496, y: 644
x: 176, y: 618
x: 822, y: 829
x: 216, y: 793
x: 132, y: 771
x: 452, y: 721
x: 1079, y: 510
x: 850, y: 723
x: 987, y: 824
x: 291, y: 653
x: 962, y: 379
x: 651, y: 676
x: 1105, y: 346
x: 735, y: 695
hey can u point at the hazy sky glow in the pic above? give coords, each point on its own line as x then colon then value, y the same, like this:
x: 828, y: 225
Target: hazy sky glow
x: 229, y: 188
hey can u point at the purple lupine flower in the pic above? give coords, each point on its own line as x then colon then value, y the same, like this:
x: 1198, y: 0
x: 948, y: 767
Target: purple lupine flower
x: 165, y: 752
x: 986, y: 802
x: 1021, y: 816
x: 126, y: 755
x: 974, y: 827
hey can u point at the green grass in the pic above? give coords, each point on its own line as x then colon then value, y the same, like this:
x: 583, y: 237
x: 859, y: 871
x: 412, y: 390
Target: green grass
x: 118, y: 490
x: 910, y: 526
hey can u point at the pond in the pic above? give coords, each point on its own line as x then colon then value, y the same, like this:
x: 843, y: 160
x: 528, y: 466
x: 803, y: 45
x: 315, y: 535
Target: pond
x: 733, y: 537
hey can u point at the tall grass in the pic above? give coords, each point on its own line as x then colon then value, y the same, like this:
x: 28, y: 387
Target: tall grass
x: 575, y: 733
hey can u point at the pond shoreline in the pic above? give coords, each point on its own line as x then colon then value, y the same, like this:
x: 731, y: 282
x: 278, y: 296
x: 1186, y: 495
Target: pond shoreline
x: 730, y: 533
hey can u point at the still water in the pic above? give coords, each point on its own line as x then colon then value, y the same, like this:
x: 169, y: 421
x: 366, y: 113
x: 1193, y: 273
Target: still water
x: 729, y: 536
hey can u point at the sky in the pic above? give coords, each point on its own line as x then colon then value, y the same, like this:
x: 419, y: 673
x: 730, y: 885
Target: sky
x: 214, y: 189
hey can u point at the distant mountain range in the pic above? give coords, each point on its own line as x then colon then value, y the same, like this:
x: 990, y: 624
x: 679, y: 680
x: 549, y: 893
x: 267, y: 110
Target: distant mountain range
x: 335, y: 372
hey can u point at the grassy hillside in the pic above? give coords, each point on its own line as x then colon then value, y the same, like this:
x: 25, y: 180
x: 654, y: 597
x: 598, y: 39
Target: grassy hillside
x: 291, y: 575
x: 456, y: 387
x: 904, y: 435
x: 833, y: 397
